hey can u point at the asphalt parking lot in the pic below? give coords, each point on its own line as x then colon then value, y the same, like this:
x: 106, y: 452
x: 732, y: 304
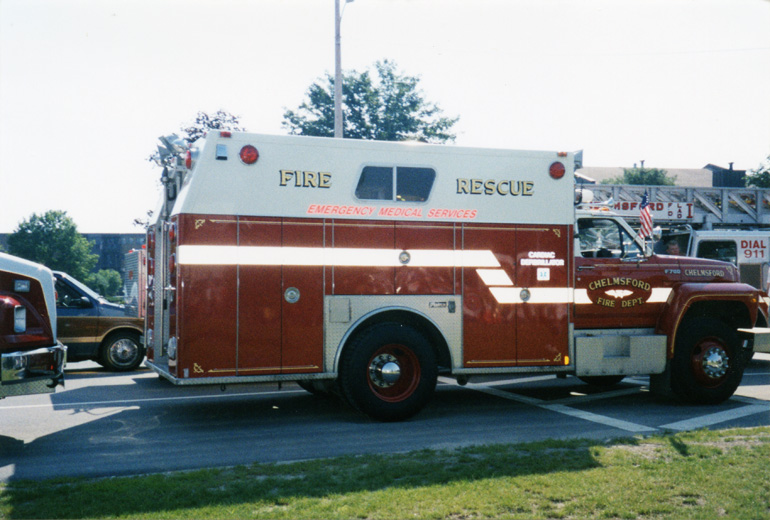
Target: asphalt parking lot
x: 104, y: 424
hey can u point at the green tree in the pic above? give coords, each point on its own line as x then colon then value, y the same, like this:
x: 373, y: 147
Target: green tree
x: 389, y: 107
x: 52, y: 239
x: 759, y: 177
x: 644, y: 177
x: 106, y: 282
x: 204, y: 122
x: 191, y: 132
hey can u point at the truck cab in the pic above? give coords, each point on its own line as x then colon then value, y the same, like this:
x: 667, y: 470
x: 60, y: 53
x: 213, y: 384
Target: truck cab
x: 32, y: 360
x: 95, y: 329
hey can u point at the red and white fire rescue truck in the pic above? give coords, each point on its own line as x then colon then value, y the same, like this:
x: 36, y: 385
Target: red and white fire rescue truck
x: 31, y: 359
x: 372, y: 267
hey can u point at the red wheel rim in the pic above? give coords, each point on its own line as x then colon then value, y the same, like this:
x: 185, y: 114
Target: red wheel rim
x: 393, y: 373
x: 710, y: 362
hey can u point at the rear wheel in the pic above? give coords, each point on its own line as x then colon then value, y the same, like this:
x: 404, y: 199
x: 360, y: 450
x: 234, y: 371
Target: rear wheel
x: 388, y: 372
x: 708, y: 362
x: 121, y: 351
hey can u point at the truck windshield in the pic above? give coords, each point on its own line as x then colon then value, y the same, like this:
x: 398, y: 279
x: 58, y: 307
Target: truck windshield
x: 85, y: 289
x: 605, y: 238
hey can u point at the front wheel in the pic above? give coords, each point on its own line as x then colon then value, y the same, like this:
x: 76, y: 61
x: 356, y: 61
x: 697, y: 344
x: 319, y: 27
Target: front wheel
x: 121, y: 351
x: 388, y: 372
x: 708, y: 362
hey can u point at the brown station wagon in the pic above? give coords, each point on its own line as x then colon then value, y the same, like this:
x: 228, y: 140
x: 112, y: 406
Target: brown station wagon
x: 95, y: 329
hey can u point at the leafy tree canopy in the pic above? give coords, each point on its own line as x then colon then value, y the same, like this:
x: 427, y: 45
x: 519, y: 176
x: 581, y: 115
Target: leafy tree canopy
x: 191, y: 132
x: 204, y: 122
x: 643, y: 176
x: 53, y: 240
x: 760, y: 177
x: 389, y: 107
x: 106, y: 282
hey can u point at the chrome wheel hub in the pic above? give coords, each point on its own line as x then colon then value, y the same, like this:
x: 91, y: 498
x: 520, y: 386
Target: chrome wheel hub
x: 384, y: 370
x: 715, y: 362
x: 123, y: 350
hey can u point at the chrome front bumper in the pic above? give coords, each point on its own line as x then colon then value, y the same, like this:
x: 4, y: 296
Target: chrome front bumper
x: 760, y: 337
x: 32, y: 372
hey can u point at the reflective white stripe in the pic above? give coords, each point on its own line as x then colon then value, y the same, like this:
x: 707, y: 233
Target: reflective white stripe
x: 494, y: 277
x: 658, y: 295
x: 536, y: 294
x: 581, y: 296
x: 504, y: 292
x: 336, y: 256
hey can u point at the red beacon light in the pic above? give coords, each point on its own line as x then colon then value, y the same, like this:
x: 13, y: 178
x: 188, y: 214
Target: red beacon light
x: 249, y: 154
x: 557, y: 170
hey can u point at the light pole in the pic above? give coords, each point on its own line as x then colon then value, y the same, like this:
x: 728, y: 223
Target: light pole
x: 338, y: 69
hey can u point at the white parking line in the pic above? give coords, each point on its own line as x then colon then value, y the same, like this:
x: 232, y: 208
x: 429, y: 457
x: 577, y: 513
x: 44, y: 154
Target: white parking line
x: 716, y: 418
x: 600, y: 419
x: 558, y: 408
x: 597, y: 397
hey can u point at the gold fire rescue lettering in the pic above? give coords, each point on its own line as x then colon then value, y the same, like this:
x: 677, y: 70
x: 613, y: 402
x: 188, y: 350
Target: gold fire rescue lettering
x: 197, y: 368
x: 494, y: 186
x: 303, y: 179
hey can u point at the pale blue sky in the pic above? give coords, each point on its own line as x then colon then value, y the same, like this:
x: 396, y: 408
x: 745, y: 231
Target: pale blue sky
x: 87, y: 86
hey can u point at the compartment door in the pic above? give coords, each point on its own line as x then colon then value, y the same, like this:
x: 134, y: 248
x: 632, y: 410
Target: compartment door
x: 543, y: 263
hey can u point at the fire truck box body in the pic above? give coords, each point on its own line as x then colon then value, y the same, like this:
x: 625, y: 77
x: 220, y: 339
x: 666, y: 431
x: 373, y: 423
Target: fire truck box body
x: 31, y: 359
x: 374, y: 266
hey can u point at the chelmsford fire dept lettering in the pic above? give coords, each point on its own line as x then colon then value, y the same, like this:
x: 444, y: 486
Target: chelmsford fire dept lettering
x: 711, y: 273
x: 619, y: 293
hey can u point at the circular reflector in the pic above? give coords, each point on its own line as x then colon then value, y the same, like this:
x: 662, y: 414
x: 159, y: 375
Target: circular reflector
x: 249, y: 154
x: 557, y: 170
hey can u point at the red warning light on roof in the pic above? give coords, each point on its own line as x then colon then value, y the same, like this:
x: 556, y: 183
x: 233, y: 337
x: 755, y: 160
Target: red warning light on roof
x: 249, y: 154
x: 557, y: 170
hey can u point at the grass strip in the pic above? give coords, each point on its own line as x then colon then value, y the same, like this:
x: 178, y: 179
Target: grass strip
x: 702, y: 474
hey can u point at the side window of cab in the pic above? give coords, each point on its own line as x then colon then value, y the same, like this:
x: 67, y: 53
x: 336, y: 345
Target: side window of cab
x: 66, y: 296
x: 604, y: 238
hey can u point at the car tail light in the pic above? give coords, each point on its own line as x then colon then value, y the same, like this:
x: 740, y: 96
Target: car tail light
x: 19, y: 319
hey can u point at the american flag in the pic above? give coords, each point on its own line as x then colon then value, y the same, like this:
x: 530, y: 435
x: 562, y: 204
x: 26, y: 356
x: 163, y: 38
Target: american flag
x: 646, y: 217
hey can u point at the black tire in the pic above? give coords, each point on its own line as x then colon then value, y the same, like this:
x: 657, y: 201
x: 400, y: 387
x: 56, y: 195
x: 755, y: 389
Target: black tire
x: 603, y: 381
x: 388, y: 372
x: 121, y: 351
x: 708, y: 362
